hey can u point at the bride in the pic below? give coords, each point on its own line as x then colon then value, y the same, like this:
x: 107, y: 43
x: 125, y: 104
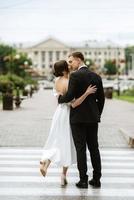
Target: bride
x: 59, y: 147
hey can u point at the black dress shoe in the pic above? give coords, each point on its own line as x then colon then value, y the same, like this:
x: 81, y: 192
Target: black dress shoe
x: 82, y: 184
x: 95, y: 183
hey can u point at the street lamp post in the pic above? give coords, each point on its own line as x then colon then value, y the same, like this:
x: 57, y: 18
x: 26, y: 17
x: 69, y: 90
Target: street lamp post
x: 11, y: 61
x: 118, y: 81
x: 26, y: 66
x: 118, y: 67
x: 88, y: 62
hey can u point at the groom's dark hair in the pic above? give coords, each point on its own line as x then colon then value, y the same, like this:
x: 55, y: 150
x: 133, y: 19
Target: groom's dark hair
x: 60, y: 67
x: 77, y: 55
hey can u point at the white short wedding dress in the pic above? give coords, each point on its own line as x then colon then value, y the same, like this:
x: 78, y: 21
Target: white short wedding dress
x: 59, y: 147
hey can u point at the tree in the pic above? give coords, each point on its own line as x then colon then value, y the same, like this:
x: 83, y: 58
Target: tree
x: 89, y: 62
x: 12, y: 62
x: 110, y: 67
x: 5, y: 52
x: 128, y: 53
x: 20, y: 65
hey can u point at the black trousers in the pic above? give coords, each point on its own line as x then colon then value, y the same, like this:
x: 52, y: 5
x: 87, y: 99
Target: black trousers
x: 86, y: 135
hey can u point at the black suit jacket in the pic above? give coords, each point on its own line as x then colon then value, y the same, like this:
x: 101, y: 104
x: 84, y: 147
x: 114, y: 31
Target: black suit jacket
x: 91, y: 108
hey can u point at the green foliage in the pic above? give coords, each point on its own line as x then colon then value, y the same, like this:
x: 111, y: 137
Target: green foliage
x: 5, y: 83
x: 29, y: 81
x: 17, y: 81
x: 128, y: 52
x: 14, y: 69
x: 5, y: 54
x: 126, y: 96
x: 11, y: 81
x: 20, y: 65
x: 129, y: 92
x: 110, y: 67
x: 89, y: 62
x: 12, y: 62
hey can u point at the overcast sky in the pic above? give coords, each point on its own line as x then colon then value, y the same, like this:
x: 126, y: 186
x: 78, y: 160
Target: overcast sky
x: 70, y: 20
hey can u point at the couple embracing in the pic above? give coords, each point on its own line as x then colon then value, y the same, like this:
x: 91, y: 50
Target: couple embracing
x: 74, y: 127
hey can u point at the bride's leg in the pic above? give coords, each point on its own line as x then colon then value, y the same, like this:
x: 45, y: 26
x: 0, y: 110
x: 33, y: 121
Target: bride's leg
x: 44, y: 166
x: 63, y: 176
x: 65, y: 170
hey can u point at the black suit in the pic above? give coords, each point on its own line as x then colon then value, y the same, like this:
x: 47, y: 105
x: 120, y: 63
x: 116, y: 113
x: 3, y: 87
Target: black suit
x: 84, y: 119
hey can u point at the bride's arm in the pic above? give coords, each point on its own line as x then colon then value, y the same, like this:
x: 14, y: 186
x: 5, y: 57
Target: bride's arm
x: 90, y: 90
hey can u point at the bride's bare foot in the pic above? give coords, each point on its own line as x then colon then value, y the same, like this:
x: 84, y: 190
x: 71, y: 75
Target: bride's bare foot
x: 43, y: 166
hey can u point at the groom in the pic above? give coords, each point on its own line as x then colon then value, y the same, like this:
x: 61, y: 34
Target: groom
x: 84, y: 118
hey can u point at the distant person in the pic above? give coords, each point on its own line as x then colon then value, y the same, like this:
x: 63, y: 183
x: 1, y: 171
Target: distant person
x: 31, y: 91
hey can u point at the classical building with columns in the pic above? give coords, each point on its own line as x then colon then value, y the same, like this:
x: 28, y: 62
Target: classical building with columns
x: 45, y: 53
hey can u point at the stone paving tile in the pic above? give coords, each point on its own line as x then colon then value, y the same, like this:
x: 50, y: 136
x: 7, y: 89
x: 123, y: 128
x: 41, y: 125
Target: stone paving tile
x: 29, y: 125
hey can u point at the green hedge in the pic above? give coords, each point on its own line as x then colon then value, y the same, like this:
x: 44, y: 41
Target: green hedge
x: 129, y: 92
x: 5, y: 83
x: 12, y: 81
x: 126, y: 96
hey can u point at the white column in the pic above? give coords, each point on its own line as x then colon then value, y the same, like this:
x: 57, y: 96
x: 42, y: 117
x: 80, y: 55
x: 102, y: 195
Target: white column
x: 39, y: 60
x: 54, y: 57
x: 61, y: 55
x: 46, y: 63
x: 46, y: 60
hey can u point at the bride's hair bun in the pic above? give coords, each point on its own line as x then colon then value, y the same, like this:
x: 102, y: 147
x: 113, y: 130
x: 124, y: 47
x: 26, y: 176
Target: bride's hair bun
x: 60, y: 67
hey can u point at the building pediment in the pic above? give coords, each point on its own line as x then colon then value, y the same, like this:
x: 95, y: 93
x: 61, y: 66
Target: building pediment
x: 50, y: 43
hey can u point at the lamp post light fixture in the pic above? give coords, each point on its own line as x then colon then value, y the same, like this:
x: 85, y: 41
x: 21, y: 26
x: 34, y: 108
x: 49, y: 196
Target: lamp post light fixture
x: 87, y: 61
x: 26, y: 63
x: 118, y: 80
x: 17, y: 56
x: 27, y: 67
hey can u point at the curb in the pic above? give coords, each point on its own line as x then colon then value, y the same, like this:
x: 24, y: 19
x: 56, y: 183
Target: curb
x: 128, y: 136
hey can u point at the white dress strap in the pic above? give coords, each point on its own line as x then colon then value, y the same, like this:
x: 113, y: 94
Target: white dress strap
x: 55, y: 93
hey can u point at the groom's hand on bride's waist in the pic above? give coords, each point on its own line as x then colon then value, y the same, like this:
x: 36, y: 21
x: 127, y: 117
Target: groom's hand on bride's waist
x: 60, y: 100
x: 59, y: 97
